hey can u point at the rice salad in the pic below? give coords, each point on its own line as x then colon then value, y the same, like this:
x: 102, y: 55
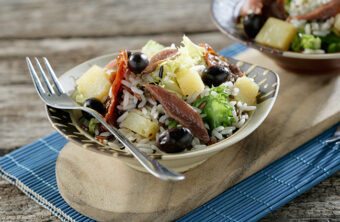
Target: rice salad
x: 167, y: 99
x: 306, y: 26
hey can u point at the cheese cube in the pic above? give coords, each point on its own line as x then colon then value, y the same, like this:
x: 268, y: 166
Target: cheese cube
x: 141, y: 125
x: 189, y: 81
x: 94, y: 83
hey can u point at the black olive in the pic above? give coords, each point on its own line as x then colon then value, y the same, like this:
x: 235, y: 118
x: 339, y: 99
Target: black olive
x: 95, y: 104
x: 128, y: 53
x: 215, y: 75
x: 252, y: 24
x: 137, y: 62
x: 175, y: 140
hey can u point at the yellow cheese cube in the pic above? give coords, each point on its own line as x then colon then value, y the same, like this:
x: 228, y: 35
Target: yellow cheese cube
x: 94, y: 83
x: 189, y: 81
x: 141, y: 125
x: 248, y: 90
x: 276, y: 33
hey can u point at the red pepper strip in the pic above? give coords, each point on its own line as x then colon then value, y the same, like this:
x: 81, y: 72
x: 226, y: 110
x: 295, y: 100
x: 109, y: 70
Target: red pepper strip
x: 122, y: 68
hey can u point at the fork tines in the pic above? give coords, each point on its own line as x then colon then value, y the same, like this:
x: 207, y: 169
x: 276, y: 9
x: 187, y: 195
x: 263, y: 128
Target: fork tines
x: 57, y: 89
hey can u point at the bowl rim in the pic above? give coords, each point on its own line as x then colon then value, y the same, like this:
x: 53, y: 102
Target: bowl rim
x: 262, y: 48
x: 171, y: 156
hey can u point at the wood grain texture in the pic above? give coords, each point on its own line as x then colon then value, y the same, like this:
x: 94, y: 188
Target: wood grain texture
x: 40, y: 19
x: 70, y: 32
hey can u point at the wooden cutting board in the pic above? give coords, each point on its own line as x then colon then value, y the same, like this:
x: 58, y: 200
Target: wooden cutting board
x: 105, y: 189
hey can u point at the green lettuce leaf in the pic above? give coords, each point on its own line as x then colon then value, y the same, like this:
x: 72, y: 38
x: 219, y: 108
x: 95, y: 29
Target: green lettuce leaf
x: 151, y: 48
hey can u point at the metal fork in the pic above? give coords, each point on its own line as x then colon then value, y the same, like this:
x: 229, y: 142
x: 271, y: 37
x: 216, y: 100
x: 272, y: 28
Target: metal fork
x: 57, y: 98
x: 335, y: 137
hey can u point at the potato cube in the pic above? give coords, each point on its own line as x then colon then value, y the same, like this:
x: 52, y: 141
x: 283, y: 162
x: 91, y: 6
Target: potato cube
x: 277, y: 34
x: 248, y: 90
x: 189, y: 81
x: 94, y: 83
x: 337, y: 22
x: 141, y: 125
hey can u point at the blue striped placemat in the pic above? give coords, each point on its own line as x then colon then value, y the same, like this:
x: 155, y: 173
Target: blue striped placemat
x: 32, y: 169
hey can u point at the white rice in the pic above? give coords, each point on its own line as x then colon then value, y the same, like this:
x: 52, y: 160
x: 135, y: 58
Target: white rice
x: 197, y: 110
x: 143, y: 102
x: 228, y: 130
x: 235, y: 91
x: 240, y: 123
x: 195, y: 141
x: 144, y: 111
x: 122, y: 117
x: 216, y: 134
x: 152, y: 102
x: 312, y: 51
x: 126, y: 98
x: 205, y: 92
x: 163, y: 118
x: 136, y: 90
x: 319, y: 28
x: 105, y: 134
x: 300, y: 7
x: 198, y: 68
x: 126, y: 83
x: 199, y: 146
x: 192, y: 98
x: 144, y: 105
x: 214, y: 94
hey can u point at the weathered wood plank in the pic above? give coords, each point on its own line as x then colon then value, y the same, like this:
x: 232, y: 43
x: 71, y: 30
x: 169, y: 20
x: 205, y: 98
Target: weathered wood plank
x: 66, y: 53
x: 16, y: 206
x: 39, y: 18
x: 321, y: 203
x: 22, y: 117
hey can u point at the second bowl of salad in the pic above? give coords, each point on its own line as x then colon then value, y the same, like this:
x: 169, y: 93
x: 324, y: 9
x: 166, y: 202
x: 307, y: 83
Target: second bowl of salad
x: 303, y: 36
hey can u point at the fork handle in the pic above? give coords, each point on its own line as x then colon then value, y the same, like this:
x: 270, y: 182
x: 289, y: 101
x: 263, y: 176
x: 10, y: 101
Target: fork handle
x: 150, y: 164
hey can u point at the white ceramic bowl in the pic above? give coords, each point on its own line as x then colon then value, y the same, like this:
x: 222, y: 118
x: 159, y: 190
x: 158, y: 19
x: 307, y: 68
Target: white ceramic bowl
x: 65, y: 122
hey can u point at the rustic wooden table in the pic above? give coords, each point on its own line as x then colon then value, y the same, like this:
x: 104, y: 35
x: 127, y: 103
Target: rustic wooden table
x: 70, y: 32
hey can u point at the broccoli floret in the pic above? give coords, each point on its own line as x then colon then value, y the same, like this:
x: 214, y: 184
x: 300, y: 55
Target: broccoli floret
x: 216, y: 108
x: 296, y: 44
x: 304, y: 41
x: 310, y: 42
x: 330, y: 38
x: 334, y: 47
